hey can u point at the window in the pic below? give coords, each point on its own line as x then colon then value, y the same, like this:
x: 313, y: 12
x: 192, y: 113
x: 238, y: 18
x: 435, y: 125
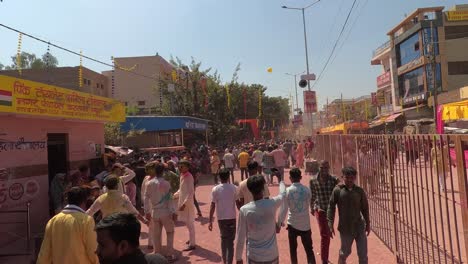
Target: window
x: 408, y: 50
x: 456, y: 32
x: 458, y: 67
x: 126, y: 103
x: 141, y: 102
x: 85, y: 82
x: 102, y: 86
x: 97, y: 85
x: 411, y: 83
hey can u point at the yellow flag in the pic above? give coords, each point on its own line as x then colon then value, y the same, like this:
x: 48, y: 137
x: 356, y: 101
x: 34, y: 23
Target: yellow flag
x: 174, y: 76
x: 80, y: 71
x: 269, y: 69
x: 366, y: 110
x: 18, y: 54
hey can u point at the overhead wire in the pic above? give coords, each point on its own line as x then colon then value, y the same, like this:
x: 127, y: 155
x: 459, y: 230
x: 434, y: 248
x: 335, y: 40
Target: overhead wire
x: 74, y: 52
x: 335, y: 45
x: 324, y: 40
x: 350, y: 30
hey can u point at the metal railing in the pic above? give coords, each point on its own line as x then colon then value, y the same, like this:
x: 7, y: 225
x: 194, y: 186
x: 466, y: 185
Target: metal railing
x: 417, y: 189
x: 381, y: 49
x: 26, y: 211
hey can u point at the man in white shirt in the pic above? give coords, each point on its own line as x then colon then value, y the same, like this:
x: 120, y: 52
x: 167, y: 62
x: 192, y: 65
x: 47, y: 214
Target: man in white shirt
x: 150, y: 174
x: 280, y: 160
x: 257, y: 225
x: 160, y: 210
x: 229, y: 161
x: 223, y: 199
x: 297, y: 202
x: 244, y: 196
x: 257, y: 156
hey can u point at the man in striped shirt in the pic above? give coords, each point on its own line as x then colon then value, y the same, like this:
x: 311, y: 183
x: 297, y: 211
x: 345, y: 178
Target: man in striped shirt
x: 321, y: 189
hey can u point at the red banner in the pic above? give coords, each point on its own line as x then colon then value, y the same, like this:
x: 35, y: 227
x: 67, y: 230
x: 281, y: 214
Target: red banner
x: 310, y: 102
x: 383, y: 79
x: 297, y: 121
x: 374, y: 99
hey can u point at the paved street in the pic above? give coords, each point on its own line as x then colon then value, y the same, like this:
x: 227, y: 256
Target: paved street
x: 208, y: 250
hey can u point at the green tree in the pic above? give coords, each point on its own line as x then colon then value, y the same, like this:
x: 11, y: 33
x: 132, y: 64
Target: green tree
x: 204, y: 95
x: 30, y: 61
x: 131, y: 110
x: 114, y: 136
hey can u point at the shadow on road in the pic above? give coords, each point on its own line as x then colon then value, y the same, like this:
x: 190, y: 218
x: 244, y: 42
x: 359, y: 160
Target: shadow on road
x: 205, y: 254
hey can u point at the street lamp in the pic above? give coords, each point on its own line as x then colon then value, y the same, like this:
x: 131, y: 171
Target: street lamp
x: 295, y: 84
x: 305, y: 34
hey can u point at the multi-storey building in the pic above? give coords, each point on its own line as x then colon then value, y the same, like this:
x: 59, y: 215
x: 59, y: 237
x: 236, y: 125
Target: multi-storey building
x: 385, y: 96
x: 428, y: 54
x: 136, y: 81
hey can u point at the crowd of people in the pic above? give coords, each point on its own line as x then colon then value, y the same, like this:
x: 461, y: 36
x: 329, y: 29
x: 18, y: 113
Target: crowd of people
x: 97, y: 219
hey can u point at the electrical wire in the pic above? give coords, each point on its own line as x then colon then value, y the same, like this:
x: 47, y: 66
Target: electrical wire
x: 349, y: 31
x: 324, y: 40
x: 74, y: 52
x: 335, y: 45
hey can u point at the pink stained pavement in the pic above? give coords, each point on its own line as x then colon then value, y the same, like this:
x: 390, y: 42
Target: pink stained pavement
x: 209, y: 243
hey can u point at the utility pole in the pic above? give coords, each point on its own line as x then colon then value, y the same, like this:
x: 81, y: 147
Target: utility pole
x: 326, y: 114
x: 432, y: 57
x: 306, y: 50
x: 297, y: 99
x: 343, y: 114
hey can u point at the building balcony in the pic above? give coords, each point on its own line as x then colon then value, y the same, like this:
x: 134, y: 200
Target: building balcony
x: 381, y: 50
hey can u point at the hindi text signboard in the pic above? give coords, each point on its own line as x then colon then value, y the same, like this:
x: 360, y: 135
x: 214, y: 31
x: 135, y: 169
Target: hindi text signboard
x: 33, y: 98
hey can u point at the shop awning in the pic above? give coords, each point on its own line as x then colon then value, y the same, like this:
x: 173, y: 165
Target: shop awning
x: 344, y: 127
x: 392, y: 118
x: 377, y: 122
x: 331, y: 129
x: 164, y: 123
x: 455, y: 111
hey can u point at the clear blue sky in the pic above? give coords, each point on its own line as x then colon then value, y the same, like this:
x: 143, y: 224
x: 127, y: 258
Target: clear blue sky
x: 220, y: 33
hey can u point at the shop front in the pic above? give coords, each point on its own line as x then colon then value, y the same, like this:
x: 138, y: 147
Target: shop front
x: 44, y: 130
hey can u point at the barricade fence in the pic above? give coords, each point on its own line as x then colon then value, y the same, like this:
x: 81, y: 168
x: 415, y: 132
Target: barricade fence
x: 417, y: 190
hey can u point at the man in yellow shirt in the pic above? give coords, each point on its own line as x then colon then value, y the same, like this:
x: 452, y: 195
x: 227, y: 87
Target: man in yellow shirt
x: 243, y: 160
x: 113, y: 201
x: 69, y: 236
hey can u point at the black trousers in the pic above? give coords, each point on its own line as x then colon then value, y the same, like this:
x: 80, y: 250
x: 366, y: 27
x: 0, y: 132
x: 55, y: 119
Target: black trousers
x: 227, y: 229
x: 306, y: 238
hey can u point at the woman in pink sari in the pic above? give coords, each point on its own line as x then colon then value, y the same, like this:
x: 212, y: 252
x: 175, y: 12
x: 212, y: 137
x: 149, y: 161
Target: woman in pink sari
x: 300, y: 155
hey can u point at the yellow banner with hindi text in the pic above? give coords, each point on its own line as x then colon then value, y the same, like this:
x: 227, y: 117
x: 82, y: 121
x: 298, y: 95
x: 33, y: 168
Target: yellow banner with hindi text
x: 33, y: 98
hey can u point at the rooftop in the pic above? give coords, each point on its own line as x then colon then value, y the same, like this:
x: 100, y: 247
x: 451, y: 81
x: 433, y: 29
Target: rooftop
x: 413, y: 15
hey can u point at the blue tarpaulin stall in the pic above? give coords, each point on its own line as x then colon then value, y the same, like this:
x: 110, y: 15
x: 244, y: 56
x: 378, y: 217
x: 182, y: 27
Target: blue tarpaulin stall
x: 164, y: 131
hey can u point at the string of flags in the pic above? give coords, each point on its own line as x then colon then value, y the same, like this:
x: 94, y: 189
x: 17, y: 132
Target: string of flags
x: 18, y: 54
x: 80, y: 70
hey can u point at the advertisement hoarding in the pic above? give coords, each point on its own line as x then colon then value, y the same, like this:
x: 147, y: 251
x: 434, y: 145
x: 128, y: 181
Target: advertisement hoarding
x: 310, y: 102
